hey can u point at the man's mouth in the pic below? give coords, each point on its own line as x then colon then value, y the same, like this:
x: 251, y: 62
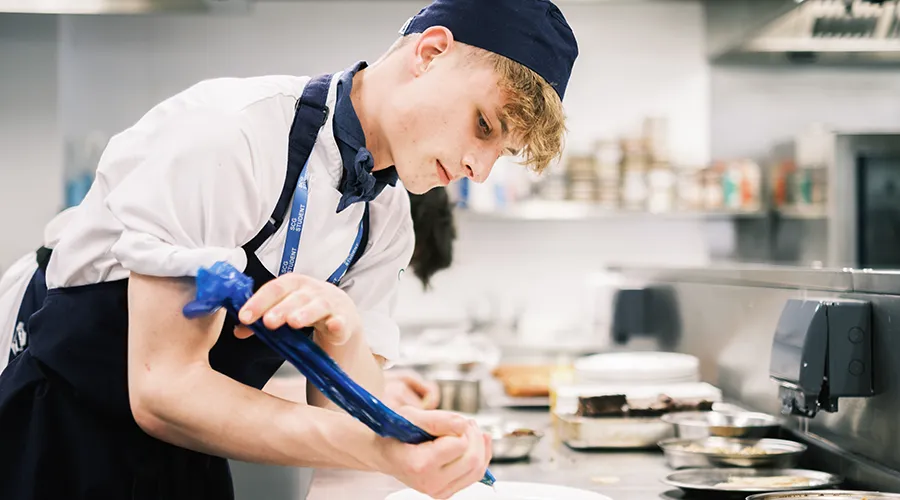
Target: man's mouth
x: 443, y: 175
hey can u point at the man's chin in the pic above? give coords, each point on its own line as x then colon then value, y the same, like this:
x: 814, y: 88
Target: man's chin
x: 419, y: 187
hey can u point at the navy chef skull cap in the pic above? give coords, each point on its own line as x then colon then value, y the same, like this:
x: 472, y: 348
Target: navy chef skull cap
x: 533, y: 33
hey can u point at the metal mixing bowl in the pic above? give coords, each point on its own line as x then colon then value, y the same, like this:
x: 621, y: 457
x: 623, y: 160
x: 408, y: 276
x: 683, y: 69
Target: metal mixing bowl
x: 511, y: 440
x: 741, y: 425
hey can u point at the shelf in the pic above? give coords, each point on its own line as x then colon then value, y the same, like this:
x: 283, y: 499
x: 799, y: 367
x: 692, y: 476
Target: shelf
x: 574, y: 211
x: 812, y: 213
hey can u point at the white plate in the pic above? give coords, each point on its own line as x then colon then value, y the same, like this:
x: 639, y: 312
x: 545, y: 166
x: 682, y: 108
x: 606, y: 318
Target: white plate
x: 639, y: 366
x: 510, y: 491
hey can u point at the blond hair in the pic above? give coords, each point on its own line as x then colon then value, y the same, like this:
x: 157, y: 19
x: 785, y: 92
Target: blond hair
x: 534, y: 112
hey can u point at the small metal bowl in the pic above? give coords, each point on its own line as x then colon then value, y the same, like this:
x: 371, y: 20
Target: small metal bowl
x: 511, y: 441
x: 726, y: 452
x: 702, y: 424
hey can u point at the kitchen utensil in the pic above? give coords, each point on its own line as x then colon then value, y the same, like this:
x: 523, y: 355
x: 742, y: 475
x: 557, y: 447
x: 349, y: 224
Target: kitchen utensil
x: 715, y: 480
x: 459, y: 394
x: 510, y: 440
x: 825, y: 495
x: 509, y: 490
x: 726, y: 452
x: 744, y: 425
x: 582, y: 433
x: 223, y: 286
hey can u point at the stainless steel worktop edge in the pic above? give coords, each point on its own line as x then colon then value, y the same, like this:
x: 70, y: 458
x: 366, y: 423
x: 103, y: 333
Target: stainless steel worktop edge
x: 833, y: 280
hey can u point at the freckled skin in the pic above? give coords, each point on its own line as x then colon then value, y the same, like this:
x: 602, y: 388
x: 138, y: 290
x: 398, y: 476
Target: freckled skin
x: 437, y: 116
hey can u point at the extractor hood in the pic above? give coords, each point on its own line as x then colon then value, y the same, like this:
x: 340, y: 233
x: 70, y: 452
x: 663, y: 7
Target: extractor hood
x: 119, y: 6
x: 826, y: 31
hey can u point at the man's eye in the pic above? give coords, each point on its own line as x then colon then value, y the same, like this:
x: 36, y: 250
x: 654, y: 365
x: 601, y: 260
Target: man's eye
x: 484, y: 126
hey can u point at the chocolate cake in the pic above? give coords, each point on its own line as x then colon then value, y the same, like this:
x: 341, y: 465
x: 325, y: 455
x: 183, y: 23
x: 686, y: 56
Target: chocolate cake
x: 617, y: 405
x: 602, y: 406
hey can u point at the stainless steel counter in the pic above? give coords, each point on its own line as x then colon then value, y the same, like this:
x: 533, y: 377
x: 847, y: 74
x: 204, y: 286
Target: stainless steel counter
x: 629, y: 475
x: 805, y: 278
x: 727, y: 317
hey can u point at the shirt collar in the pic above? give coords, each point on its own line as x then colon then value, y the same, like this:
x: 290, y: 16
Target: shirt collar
x: 358, y: 182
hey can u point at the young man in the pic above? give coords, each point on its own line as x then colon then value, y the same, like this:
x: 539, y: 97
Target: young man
x: 106, y: 403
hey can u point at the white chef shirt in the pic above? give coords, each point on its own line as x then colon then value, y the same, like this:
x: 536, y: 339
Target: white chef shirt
x: 199, y: 175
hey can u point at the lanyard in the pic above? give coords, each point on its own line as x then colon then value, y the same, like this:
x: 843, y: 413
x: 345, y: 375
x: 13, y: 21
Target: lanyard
x: 292, y: 239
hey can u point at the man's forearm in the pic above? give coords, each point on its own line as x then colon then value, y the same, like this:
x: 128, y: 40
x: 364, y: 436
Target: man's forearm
x: 208, y: 412
x: 177, y: 397
x: 357, y: 360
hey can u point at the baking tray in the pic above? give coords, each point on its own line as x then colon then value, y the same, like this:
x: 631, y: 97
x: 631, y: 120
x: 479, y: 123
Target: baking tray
x: 699, y: 481
x: 585, y: 433
x: 825, y: 495
x: 780, y: 453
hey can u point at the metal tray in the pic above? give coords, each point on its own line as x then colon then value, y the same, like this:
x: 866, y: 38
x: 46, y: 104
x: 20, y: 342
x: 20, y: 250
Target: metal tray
x: 826, y: 495
x: 780, y: 453
x: 708, y: 480
x: 584, y: 433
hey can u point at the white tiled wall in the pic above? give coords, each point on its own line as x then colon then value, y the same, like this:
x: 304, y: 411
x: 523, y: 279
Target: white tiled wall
x: 757, y: 107
x: 30, y: 157
x: 640, y: 59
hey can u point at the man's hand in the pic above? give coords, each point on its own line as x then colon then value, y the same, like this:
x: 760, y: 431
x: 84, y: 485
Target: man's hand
x: 300, y: 301
x: 408, y: 388
x: 456, y: 460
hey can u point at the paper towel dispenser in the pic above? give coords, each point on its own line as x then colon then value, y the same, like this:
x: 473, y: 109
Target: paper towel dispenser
x: 822, y: 351
x: 646, y: 311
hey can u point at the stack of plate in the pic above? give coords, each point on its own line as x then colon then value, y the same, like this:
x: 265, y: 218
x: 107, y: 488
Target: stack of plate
x: 638, y: 368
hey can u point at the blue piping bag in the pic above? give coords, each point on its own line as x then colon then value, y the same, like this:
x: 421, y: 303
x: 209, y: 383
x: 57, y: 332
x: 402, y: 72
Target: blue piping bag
x: 223, y: 286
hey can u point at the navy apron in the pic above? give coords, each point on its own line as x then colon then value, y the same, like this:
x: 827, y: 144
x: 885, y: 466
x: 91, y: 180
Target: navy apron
x: 68, y: 431
x: 32, y: 300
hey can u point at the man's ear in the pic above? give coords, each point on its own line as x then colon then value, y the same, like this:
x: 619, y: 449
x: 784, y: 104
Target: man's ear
x: 431, y: 45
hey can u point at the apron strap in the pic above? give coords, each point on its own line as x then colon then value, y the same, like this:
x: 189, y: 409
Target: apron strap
x: 365, y: 237
x: 310, y: 116
x: 43, y: 257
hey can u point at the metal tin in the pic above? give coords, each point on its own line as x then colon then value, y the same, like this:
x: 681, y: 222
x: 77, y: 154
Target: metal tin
x: 825, y: 495
x: 709, y: 480
x: 611, y: 432
x: 742, y: 425
x: 724, y: 452
x: 459, y: 394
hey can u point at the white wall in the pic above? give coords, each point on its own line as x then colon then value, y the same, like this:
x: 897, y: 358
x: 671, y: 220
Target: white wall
x: 30, y: 152
x: 640, y: 59
x: 120, y: 66
x: 755, y: 108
